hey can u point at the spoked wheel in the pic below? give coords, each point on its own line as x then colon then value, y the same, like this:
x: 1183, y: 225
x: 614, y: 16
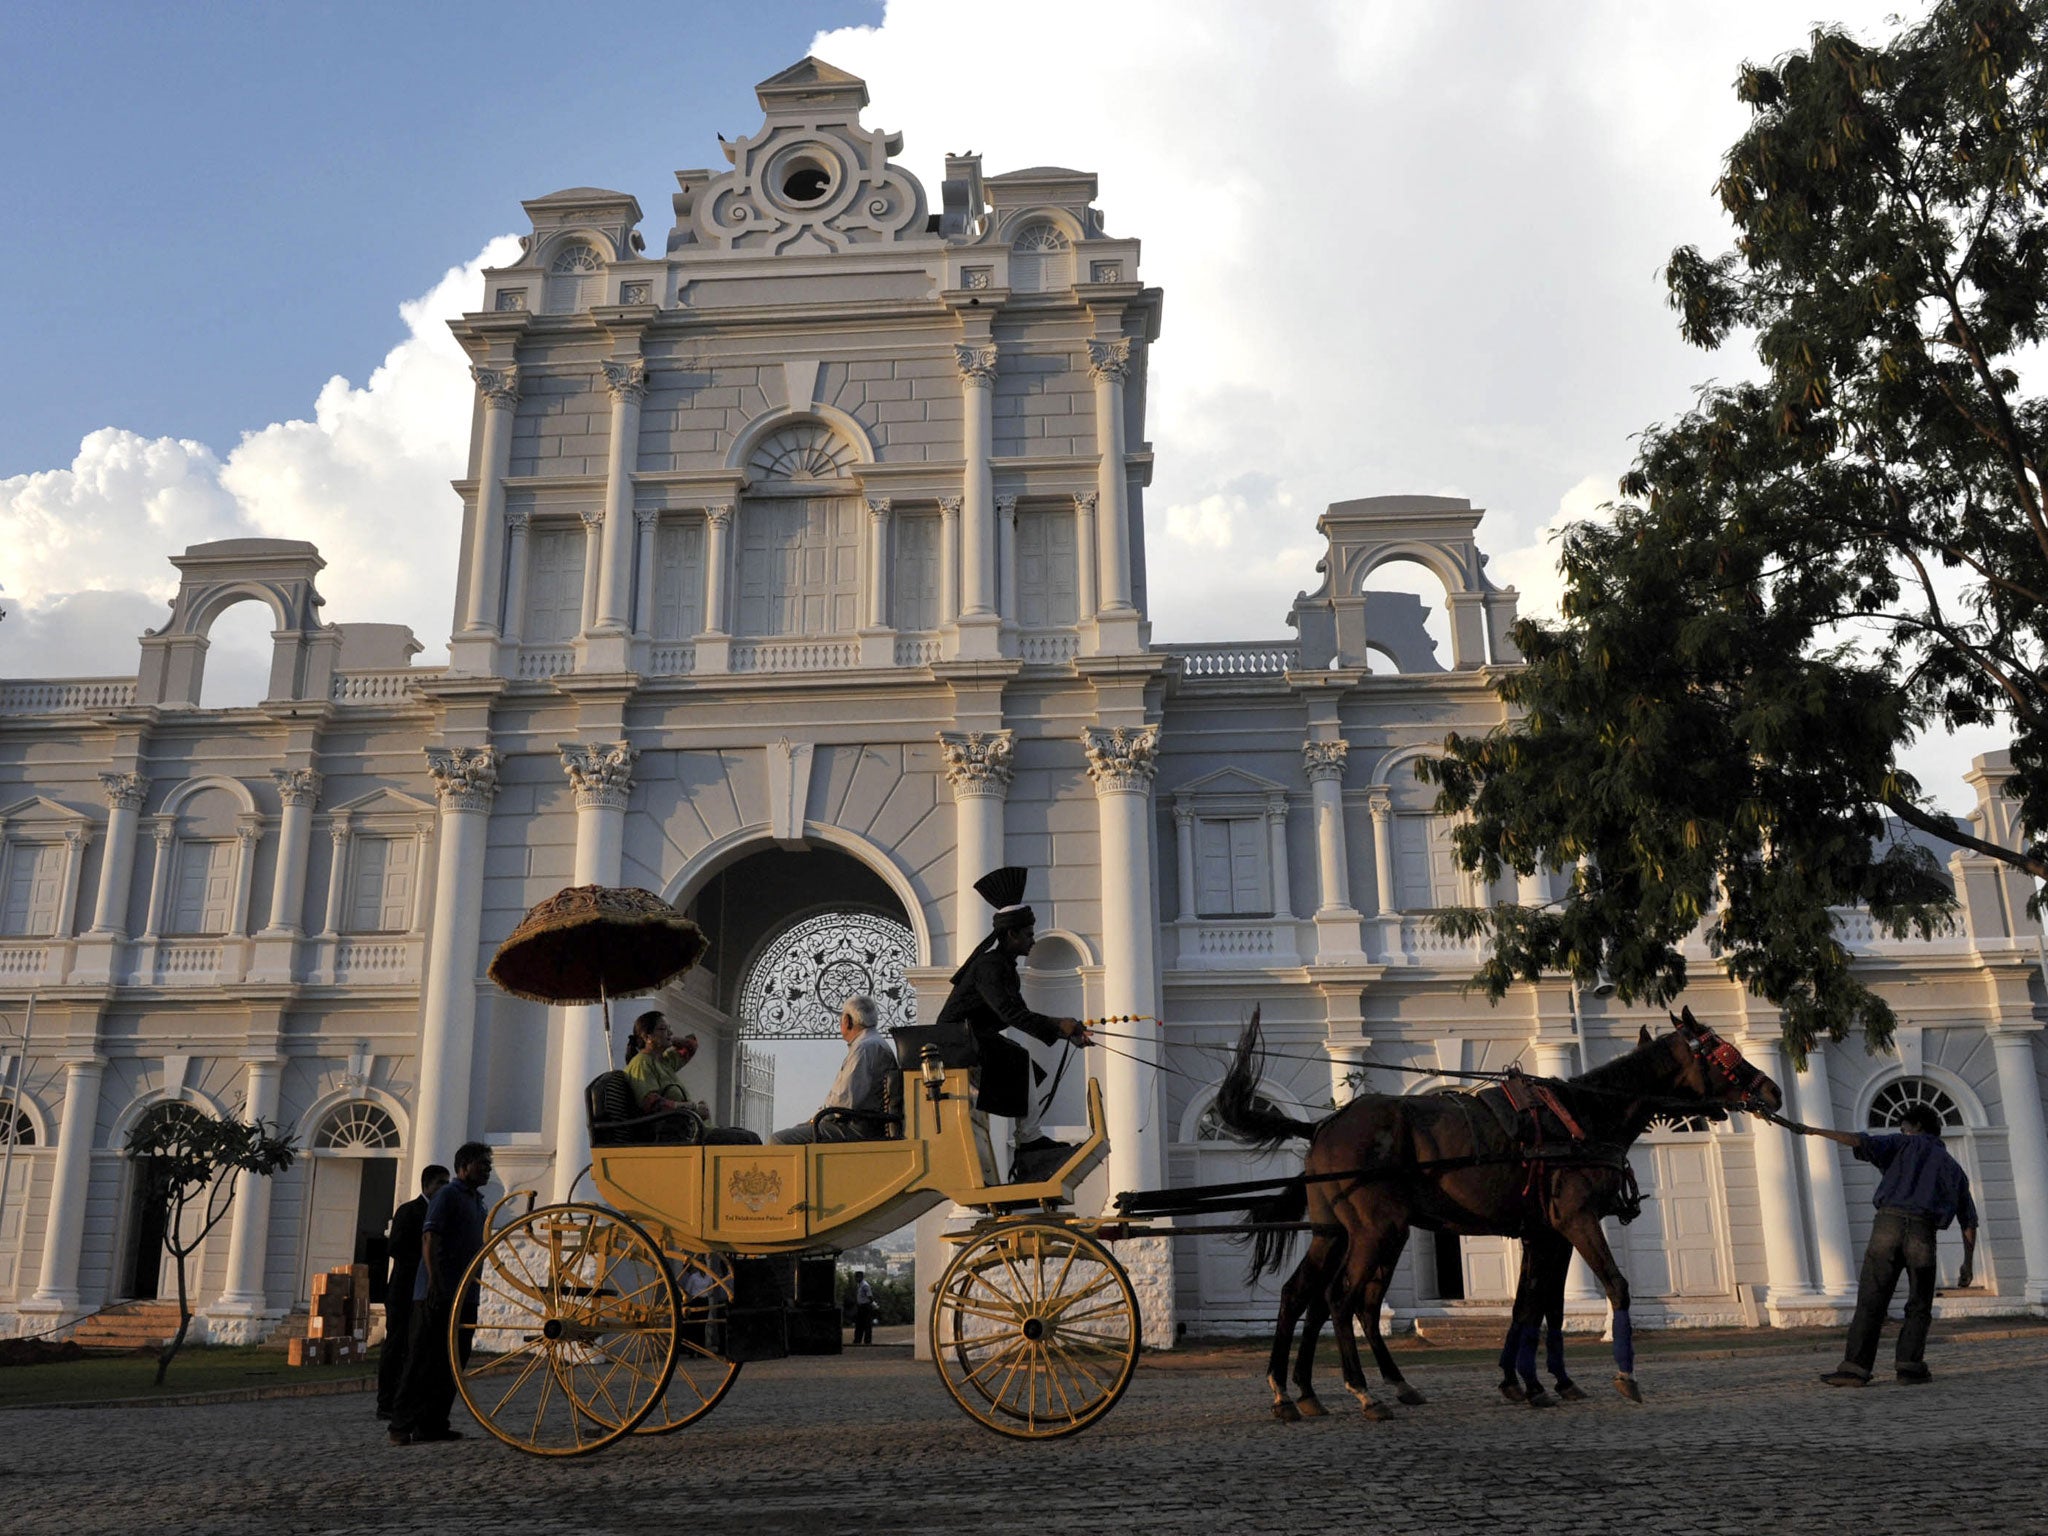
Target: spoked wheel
x: 576, y: 1330
x: 1035, y: 1330
x: 701, y: 1378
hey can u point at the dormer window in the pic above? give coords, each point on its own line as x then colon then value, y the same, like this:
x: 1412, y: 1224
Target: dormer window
x: 575, y: 280
x: 1041, y: 260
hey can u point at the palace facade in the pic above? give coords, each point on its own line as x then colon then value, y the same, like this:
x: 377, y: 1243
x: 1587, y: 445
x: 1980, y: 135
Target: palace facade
x: 803, y: 581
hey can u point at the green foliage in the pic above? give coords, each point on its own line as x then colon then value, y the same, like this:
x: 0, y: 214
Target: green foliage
x: 895, y: 1301
x: 187, y: 1163
x: 1807, y: 570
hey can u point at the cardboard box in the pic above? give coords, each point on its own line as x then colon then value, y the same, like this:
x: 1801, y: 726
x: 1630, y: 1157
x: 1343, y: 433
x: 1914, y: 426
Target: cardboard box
x: 320, y: 1285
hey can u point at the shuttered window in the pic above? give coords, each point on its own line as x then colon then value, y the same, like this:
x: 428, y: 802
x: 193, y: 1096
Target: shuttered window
x: 1230, y: 868
x: 34, y: 874
x: 380, y: 884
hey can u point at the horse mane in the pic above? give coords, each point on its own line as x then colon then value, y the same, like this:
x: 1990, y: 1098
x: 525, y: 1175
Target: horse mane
x: 1618, y: 1086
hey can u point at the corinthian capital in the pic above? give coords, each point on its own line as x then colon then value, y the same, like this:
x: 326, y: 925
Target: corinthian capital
x: 978, y: 763
x: 1121, y: 759
x: 600, y: 772
x: 1109, y: 360
x: 878, y: 507
x: 1325, y: 759
x: 498, y: 386
x: 719, y: 515
x: 625, y: 381
x: 125, y: 791
x: 297, y: 786
x: 977, y: 364
x: 949, y: 506
x: 465, y: 778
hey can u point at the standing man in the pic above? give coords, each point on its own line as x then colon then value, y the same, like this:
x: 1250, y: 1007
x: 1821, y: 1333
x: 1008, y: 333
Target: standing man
x: 986, y: 1000
x: 1922, y: 1191
x: 861, y: 1090
x: 863, y: 1308
x: 451, y: 1235
x: 405, y: 1263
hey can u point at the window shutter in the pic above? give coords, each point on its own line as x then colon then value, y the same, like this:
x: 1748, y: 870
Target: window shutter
x: 554, y: 587
x: 204, y: 887
x: 1248, y: 866
x: 679, y: 581
x: 1411, y: 863
x: 1212, y: 868
x: 35, y: 879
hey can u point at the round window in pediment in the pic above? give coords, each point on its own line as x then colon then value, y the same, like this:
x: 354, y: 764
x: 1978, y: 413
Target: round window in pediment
x: 804, y: 178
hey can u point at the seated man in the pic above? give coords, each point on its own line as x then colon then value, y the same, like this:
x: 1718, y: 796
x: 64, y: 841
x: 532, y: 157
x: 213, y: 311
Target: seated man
x: 862, y: 1086
x: 654, y: 1061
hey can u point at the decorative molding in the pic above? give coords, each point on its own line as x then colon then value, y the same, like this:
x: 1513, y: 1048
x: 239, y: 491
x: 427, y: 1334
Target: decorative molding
x: 465, y: 778
x: 1325, y: 759
x: 518, y: 522
x: 498, y: 386
x: 600, y: 772
x: 248, y: 831
x: 164, y: 831
x: 878, y: 508
x: 719, y: 515
x: 1121, y: 759
x: 1183, y: 815
x: 1109, y: 360
x: 1086, y: 501
x: 647, y: 517
x: 593, y: 519
x: 949, y: 506
x: 977, y: 364
x: 1276, y: 808
x: 979, y: 764
x: 125, y: 791
x: 1380, y: 802
x: 625, y: 381
x: 1006, y: 506
x: 297, y: 786
x: 639, y: 292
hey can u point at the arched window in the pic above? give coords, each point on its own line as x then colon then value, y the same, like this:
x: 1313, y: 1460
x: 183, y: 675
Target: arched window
x: 15, y: 1125
x: 235, y: 667
x: 358, y: 1126
x: 1041, y: 260
x: 170, y: 1117
x: 800, y: 980
x: 1889, y: 1106
x: 803, y: 450
x: 1407, y: 616
x: 799, y: 537
x: 575, y: 280
x: 1675, y: 1124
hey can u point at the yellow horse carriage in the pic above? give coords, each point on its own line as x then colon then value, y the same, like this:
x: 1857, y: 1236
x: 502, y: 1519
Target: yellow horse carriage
x: 636, y: 1314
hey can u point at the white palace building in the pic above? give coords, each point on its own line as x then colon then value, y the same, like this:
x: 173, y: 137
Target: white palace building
x: 803, y: 581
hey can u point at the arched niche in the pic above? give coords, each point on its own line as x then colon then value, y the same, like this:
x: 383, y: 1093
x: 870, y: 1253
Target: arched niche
x: 279, y: 574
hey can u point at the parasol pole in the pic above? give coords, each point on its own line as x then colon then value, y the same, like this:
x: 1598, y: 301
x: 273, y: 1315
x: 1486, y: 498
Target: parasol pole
x: 605, y: 1002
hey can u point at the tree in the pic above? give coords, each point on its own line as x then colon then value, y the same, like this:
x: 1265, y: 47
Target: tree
x: 188, y: 1163
x: 1807, y: 569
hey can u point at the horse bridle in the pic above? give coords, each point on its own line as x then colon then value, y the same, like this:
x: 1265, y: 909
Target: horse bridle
x: 1712, y: 1051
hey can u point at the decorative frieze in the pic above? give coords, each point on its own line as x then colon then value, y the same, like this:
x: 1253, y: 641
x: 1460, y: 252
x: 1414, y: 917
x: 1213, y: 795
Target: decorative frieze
x: 297, y: 786
x: 1325, y: 760
x: 1121, y: 759
x: 498, y: 386
x: 124, y: 791
x: 978, y: 763
x: 626, y: 381
x: 1109, y: 360
x: 600, y: 772
x: 977, y: 364
x: 465, y: 778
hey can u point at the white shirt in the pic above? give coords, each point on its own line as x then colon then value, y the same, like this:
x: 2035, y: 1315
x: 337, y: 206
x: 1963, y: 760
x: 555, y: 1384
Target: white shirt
x: 870, y: 1061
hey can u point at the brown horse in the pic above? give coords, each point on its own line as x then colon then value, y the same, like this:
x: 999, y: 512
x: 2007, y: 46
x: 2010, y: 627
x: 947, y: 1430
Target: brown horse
x: 1384, y: 1164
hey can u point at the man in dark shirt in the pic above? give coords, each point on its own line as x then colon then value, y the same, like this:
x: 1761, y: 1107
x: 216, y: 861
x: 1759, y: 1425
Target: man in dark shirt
x: 1922, y: 1191
x: 451, y: 1235
x: 404, y: 1249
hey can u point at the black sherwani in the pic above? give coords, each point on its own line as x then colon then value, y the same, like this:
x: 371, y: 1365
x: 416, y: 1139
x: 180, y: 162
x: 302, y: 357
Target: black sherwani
x: 986, y: 1000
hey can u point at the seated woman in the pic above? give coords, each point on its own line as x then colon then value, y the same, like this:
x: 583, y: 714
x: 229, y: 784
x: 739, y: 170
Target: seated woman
x: 654, y: 1061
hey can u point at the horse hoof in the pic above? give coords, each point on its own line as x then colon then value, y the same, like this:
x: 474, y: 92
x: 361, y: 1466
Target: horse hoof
x: 1311, y: 1408
x: 1410, y: 1396
x: 1512, y: 1392
x: 1379, y: 1413
x: 1287, y: 1413
x: 1571, y: 1391
x: 1626, y: 1386
x: 1541, y: 1399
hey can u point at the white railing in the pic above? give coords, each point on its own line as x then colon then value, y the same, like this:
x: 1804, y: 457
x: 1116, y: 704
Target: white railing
x: 916, y: 650
x: 544, y: 661
x: 1048, y: 647
x: 1238, y: 658
x: 794, y: 655
x: 357, y: 959
x: 371, y: 687
x: 23, y: 961
x: 672, y: 660
x: 1230, y: 941
x: 1419, y: 937
x: 187, y: 962
x: 65, y: 695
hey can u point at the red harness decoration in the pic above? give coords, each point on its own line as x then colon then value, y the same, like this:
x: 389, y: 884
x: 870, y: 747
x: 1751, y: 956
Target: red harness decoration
x: 1531, y: 1098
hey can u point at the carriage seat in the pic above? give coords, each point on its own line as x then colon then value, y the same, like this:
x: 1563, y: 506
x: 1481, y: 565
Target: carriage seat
x: 609, y: 1104
x: 863, y: 1125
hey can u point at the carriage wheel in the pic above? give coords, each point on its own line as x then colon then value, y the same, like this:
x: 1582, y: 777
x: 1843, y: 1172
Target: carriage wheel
x: 701, y: 1377
x: 576, y: 1330
x: 1035, y: 1330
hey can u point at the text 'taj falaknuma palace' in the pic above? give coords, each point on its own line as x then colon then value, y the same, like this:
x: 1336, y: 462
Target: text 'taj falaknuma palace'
x: 802, y: 582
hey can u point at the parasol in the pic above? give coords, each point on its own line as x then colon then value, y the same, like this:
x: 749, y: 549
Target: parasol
x: 592, y: 943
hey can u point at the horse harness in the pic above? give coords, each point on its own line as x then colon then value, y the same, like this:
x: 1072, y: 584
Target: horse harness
x: 1543, y: 1136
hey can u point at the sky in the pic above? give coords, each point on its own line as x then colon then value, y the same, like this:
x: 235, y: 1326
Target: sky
x: 1405, y: 248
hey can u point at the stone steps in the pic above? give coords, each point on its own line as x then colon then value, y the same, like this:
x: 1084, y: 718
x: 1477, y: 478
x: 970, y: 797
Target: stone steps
x: 131, y: 1325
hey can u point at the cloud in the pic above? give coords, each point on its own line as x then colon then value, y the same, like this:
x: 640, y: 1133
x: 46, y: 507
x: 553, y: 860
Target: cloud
x: 1532, y: 568
x: 83, y: 549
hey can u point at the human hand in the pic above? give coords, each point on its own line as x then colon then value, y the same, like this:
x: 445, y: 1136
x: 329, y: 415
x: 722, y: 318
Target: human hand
x: 1076, y: 1032
x: 1963, y: 1276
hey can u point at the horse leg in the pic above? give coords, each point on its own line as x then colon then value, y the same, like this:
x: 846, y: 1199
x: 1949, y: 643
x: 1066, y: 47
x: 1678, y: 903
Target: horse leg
x: 1526, y: 1327
x: 1347, y: 1291
x: 1376, y: 1284
x: 1553, y: 1317
x: 1586, y: 1235
x: 1308, y: 1405
x: 1306, y: 1274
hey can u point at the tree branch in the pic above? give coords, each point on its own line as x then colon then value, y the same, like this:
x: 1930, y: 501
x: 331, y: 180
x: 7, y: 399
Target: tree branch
x: 1948, y: 830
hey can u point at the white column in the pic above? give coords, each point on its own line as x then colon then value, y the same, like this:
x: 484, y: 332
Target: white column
x: 1324, y: 763
x: 1777, y: 1178
x: 979, y: 766
x: 626, y: 382
x: 717, y: 567
x: 2019, y: 1096
x: 878, y: 562
x: 1086, y: 593
x: 164, y: 835
x: 1381, y: 804
x: 601, y: 775
x: 249, y: 1225
x: 299, y: 788
x: 1006, y: 555
x: 647, y: 522
x: 500, y: 389
x: 1109, y: 364
x: 1532, y: 889
x: 125, y: 795
x: 1347, y: 1069
x: 977, y: 364
x: 423, y: 842
x: 1276, y: 856
x: 1824, y: 1176
x: 64, y: 1228
x: 465, y: 782
x: 517, y: 570
x: 949, y: 560
x: 337, y: 876
x: 75, y: 839
x: 1184, y: 858
x: 248, y: 833
x: 593, y: 561
x: 1122, y: 763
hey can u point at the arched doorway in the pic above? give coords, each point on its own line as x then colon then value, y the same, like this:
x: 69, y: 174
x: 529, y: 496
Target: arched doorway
x: 355, y: 1163
x: 149, y: 1272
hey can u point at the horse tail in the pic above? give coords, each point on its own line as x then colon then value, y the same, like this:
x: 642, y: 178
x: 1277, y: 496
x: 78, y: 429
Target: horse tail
x: 1270, y: 1244
x: 1249, y: 1118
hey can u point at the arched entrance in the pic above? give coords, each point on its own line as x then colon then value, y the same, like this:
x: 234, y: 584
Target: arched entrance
x: 149, y: 1272
x: 355, y: 1164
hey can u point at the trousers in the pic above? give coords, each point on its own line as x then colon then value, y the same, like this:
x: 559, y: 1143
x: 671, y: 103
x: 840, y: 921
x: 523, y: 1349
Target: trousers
x: 427, y: 1393
x: 397, y: 1339
x: 1900, y: 1240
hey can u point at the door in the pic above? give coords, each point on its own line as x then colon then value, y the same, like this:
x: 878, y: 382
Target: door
x: 332, y: 1213
x: 151, y: 1271
x: 13, y: 1215
x: 1491, y: 1266
x: 204, y: 887
x: 799, y: 568
x: 1678, y: 1247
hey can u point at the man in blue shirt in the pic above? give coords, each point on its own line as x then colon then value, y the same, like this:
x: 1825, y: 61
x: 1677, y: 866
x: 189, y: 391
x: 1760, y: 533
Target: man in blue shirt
x: 1923, y: 1189
x: 450, y: 1237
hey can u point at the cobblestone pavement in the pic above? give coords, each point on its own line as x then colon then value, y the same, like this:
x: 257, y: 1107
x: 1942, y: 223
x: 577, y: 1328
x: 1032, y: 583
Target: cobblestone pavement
x: 869, y: 1442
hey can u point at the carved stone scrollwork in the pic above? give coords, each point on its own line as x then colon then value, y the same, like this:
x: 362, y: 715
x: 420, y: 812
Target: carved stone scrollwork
x: 878, y: 507
x: 978, y: 763
x: 297, y: 786
x: 518, y: 522
x: 1381, y: 805
x: 647, y: 517
x: 949, y: 506
x: 593, y: 519
x: 1085, y: 503
x: 1276, y: 808
x: 498, y: 386
x: 465, y: 778
x: 1121, y: 759
x: 1183, y: 815
x: 600, y: 772
x: 1109, y: 360
x: 125, y: 791
x: 626, y: 381
x: 1325, y: 759
x: 977, y: 364
x: 1006, y: 506
x: 719, y: 515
